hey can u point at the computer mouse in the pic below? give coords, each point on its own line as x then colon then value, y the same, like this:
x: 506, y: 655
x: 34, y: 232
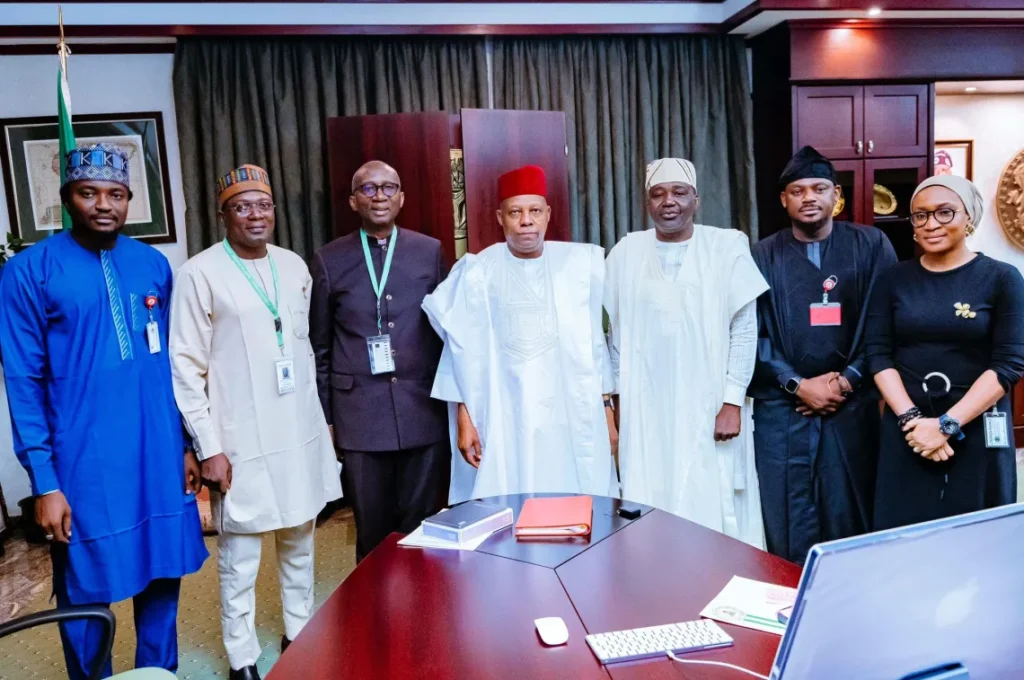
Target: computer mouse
x: 552, y: 631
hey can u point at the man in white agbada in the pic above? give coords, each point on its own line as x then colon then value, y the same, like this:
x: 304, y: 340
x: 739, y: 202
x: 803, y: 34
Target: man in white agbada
x: 681, y: 303
x: 245, y: 383
x: 525, y: 365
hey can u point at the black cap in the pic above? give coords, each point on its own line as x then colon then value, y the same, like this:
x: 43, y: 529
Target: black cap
x: 807, y: 163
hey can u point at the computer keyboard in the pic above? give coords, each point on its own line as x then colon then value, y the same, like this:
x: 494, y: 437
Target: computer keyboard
x: 644, y: 643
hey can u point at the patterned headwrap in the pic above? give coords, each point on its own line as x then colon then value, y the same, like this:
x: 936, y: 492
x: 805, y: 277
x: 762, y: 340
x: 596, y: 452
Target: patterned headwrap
x: 100, y: 163
x: 671, y: 170
x: 242, y: 179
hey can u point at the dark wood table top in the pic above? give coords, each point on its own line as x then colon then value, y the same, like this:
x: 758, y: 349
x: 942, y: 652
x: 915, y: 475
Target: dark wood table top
x: 665, y: 569
x: 440, y: 614
x: 553, y: 553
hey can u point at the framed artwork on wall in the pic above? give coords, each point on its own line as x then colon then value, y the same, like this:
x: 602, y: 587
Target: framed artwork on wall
x: 31, y: 167
x: 955, y: 157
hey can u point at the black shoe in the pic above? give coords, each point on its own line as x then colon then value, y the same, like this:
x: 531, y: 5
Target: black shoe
x: 247, y: 673
x: 284, y: 643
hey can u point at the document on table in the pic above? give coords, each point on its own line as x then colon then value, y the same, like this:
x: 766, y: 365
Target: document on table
x: 417, y: 539
x: 751, y: 604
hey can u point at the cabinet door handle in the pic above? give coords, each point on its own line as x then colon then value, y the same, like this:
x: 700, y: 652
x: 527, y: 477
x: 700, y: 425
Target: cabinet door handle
x: 871, y: 146
x: 859, y: 146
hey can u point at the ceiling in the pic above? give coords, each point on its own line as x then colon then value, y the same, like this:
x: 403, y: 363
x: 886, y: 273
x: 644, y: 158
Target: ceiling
x: 980, y: 87
x: 765, y: 20
x: 25, y: 21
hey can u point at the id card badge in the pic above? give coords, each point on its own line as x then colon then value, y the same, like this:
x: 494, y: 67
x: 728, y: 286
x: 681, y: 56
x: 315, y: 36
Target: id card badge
x: 996, y: 433
x: 381, y: 360
x: 153, y: 337
x: 826, y: 314
x: 285, y: 375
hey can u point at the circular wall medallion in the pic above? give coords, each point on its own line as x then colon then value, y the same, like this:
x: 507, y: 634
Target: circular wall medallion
x: 1010, y: 200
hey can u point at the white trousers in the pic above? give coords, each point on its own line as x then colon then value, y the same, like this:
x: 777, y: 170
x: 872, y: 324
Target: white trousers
x: 238, y: 563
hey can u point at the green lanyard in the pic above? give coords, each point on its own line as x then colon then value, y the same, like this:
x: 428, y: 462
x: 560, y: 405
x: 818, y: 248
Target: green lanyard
x: 271, y: 306
x: 378, y: 288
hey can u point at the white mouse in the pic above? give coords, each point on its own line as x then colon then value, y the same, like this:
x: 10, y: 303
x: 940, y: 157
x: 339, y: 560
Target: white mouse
x: 552, y: 631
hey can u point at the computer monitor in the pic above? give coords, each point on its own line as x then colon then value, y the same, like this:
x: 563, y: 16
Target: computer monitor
x: 943, y: 599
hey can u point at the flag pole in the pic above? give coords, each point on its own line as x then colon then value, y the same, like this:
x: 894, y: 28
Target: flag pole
x: 66, y: 134
x: 62, y: 47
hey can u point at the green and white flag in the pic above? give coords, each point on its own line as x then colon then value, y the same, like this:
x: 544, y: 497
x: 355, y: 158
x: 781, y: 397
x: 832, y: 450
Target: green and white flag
x: 65, y: 132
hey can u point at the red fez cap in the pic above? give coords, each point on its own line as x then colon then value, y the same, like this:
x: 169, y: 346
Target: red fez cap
x: 527, y: 180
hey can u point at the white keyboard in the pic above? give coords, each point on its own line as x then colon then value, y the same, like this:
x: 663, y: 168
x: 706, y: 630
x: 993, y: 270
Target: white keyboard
x: 644, y: 643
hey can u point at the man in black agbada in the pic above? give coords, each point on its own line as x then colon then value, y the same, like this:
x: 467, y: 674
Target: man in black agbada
x: 816, y: 410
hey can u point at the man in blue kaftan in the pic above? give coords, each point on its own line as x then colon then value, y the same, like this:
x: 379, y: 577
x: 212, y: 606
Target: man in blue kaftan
x: 83, y: 335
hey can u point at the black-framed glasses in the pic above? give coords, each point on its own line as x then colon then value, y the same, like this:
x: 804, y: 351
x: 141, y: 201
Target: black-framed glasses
x: 370, y: 189
x: 246, y: 209
x: 942, y: 216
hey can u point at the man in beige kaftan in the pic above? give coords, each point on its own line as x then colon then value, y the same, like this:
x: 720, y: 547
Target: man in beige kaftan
x: 245, y: 383
x: 681, y: 304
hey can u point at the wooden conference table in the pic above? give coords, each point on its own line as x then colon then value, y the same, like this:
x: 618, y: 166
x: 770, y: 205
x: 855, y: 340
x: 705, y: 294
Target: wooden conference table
x: 448, y: 614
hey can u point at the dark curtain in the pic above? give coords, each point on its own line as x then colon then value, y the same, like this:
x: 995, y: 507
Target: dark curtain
x: 267, y: 101
x: 631, y: 100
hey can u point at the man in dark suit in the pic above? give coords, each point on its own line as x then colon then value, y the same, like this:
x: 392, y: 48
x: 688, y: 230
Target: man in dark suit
x: 376, y: 356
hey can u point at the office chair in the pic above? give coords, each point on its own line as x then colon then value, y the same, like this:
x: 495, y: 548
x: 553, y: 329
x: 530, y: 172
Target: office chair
x: 106, y: 617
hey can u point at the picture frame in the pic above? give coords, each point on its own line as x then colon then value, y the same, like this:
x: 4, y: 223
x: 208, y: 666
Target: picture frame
x: 29, y: 156
x: 955, y: 157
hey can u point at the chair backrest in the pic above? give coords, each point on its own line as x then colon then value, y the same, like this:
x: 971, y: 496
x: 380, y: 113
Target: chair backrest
x: 102, y: 614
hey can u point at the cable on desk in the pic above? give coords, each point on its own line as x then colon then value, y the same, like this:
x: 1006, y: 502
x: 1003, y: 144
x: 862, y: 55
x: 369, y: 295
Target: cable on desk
x: 717, y: 663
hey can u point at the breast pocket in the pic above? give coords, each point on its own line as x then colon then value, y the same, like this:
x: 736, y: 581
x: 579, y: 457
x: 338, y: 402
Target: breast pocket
x: 300, y: 322
x: 140, y: 311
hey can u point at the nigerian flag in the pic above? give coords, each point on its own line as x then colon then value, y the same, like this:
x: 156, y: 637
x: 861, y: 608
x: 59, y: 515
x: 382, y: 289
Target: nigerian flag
x: 66, y: 133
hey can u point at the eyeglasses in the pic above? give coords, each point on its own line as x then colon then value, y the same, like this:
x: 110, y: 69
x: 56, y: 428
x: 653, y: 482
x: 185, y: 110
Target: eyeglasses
x: 246, y: 209
x: 370, y: 190
x: 942, y: 216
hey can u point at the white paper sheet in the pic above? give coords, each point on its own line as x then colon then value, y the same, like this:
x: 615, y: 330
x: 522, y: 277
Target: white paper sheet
x: 417, y: 539
x: 751, y: 604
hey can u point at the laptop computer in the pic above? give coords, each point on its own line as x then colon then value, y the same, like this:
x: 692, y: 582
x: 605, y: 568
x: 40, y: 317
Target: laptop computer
x: 938, y: 600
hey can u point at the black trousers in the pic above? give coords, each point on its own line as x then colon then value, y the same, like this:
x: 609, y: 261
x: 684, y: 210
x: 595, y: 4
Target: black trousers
x: 394, y: 490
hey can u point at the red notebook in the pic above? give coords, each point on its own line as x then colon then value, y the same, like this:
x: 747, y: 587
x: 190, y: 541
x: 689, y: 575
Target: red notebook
x: 554, y: 517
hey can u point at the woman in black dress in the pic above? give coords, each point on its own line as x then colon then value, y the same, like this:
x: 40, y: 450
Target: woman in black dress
x: 945, y: 342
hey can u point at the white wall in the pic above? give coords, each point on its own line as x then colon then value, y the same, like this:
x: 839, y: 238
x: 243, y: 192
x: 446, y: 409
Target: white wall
x: 113, y: 83
x: 993, y: 122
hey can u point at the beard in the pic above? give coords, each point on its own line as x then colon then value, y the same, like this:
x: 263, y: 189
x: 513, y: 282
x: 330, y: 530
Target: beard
x: 813, y: 227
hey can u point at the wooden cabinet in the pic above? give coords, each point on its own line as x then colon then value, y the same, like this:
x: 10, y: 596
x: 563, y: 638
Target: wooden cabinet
x: 898, y: 176
x: 851, y: 181
x: 876, y: 135
x: 896, y: 120
x: 831, y: 119
x: 863, y: 121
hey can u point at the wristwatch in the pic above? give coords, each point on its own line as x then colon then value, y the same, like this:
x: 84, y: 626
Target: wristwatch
x: 792, y: 385
x: 950, y: 426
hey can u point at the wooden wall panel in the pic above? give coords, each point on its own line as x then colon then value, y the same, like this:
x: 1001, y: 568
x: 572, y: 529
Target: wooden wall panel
x: 907, y: 51
x: 496, y: 141
x: 417, y: 146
